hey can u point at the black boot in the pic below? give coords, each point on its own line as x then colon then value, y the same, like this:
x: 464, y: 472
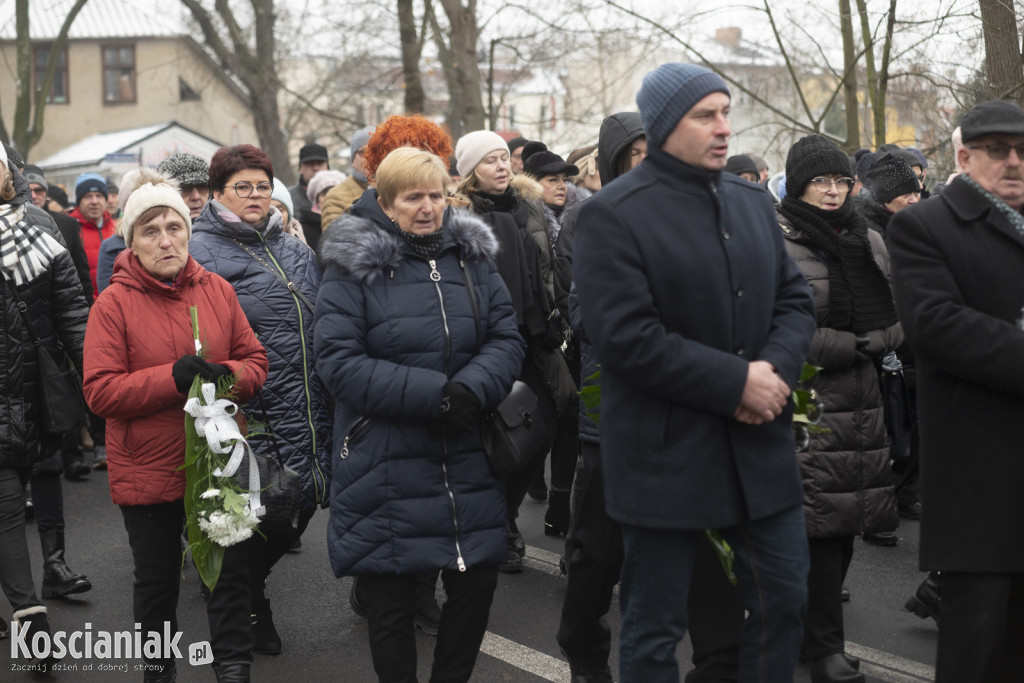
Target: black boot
x: 516, y: 550
x: 30, y: 621
x: 538, y: 491
x: 160, y: 671
x: 266, y: 641
x: 834, y: 669
x: 925, y: 602
x: 74, y: 465
x: 428, y: 612
x: 556, y: 519
x: 232, y: 672
x: 58, y: 579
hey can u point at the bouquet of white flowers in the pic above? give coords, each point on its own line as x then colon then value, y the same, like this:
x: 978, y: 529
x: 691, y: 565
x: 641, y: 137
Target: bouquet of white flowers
x: 218, y: 511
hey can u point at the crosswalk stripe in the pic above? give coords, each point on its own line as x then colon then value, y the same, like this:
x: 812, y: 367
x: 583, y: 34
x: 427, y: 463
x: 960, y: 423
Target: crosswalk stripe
x: 522, y: 657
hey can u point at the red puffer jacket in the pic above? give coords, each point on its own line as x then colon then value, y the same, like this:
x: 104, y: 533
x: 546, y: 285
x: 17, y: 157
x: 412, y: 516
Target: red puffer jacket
x: 137, y: 329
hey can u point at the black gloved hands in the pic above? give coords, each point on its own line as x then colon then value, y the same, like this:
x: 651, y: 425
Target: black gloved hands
x: 460, y: 408
x: 187, y: 367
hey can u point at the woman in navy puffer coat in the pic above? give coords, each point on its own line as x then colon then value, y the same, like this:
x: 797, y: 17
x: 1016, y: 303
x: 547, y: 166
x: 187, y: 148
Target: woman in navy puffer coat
x: 412, y: 357
x: 241, y: 239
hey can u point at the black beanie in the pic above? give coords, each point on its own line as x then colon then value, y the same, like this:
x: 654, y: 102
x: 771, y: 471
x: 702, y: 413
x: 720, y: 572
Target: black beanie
x: 741, y: 163
x: 889, y: 177
x: 810, y: 157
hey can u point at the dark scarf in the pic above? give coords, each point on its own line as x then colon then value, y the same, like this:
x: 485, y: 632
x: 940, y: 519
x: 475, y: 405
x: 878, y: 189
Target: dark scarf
x: 504, y: 202
x: 427, y: 245
x: 859, y: 296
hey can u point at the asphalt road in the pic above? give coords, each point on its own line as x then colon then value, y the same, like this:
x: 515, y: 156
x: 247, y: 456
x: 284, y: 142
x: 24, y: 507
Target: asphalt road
x: 325, y: 641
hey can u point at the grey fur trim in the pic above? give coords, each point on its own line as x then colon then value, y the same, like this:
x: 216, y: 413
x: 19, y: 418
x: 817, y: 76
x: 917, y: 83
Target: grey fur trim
x: 365, y: 250
x: 27, y: 612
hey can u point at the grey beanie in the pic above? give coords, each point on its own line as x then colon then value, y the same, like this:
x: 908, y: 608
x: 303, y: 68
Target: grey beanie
x: 34, y: 174
x: 188, y: 169
x: 669, y: 92
x: 359, y: 140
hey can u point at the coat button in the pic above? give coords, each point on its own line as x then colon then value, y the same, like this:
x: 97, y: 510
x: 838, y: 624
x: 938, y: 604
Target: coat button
x: 725, y: 234
x: 739, y: 350
x: 739, y: 291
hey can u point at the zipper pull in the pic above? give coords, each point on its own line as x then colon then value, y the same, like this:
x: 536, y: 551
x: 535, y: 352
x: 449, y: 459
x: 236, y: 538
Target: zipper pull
x: 434, y: 275
x: 462, y: 564
x: 344, y: 447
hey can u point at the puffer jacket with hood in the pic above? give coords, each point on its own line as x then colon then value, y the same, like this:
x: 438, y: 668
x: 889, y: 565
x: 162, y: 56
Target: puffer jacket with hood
x: 46, y: 281
x: 297, y: 406
x: 618, y: 133
x: 138, y: 328
x: 392, y: 328
x: 848, y: 486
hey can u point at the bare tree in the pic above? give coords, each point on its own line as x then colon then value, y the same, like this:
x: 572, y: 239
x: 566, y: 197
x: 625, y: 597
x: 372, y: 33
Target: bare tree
x: 457, y: 50
x: 250, y: 56
x: 1002, y: 50
x: 412, y: 49
x: 878, y: 77
x: 29, y: 106
x: 850, y: 76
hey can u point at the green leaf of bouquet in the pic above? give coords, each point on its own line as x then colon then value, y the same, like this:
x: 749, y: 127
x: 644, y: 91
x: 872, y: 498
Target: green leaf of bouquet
x: 725, y: 553
x: 809, y: 371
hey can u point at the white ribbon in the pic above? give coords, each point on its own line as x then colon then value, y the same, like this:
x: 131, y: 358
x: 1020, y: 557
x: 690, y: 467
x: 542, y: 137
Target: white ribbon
x: 215, y: 420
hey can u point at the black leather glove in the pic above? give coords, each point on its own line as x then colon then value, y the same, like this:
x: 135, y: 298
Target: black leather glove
x: 460, y: 409
x: 187, y: 367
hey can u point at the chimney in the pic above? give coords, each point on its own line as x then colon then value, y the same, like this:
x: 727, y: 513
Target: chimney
x: 730, y: 36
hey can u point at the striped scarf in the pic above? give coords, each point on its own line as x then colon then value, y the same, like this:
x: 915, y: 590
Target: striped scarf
x: 26, y: 252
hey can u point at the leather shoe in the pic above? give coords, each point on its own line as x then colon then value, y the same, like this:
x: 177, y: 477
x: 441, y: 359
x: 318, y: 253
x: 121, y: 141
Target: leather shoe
x: 600, y: 674
x: 834, y: 668
x: 882, y: 538
x: 844, y: 594
x: 925, y: 601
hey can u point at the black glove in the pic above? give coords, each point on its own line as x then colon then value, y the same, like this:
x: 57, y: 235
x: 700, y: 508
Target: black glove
x: 460, y: 409
x: 187, y: 367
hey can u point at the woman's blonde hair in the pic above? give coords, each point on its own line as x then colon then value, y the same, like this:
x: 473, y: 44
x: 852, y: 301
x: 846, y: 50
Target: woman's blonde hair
x: 7, y: 193
x: 587, y: 165
x: 469, y: 183
x: 406, y: 168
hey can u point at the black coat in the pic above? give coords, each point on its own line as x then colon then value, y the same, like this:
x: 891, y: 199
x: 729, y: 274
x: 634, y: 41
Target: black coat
x: 957, y: 265
x: 683, y: 279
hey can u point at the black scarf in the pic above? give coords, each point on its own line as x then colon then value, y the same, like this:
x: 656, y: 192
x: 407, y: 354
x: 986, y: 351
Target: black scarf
x: 859, y: 296
x: 427, y: 245
x: 505, y: 202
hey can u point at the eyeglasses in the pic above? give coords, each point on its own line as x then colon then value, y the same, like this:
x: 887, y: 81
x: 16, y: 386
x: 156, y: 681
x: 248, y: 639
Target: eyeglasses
x: 825, y: 184
x: 920, y: 178
x: 1000, y: 151
x: 244, y: 190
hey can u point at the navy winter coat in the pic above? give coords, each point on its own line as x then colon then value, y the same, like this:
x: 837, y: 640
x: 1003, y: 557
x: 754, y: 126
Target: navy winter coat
x: 404, y: 498
x: 297, y: 406
x: 683, y: 279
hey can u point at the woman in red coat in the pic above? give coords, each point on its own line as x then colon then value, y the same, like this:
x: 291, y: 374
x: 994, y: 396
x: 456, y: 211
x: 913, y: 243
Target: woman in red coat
x: 139, y: 364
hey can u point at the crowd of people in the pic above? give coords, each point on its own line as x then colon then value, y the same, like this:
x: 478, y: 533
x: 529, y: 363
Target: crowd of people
x: 372, y: 319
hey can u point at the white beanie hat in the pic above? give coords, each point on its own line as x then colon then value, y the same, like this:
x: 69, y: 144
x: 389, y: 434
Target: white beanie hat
x: 3, y: 155
x: 473, y: 147
x: 152, y: 190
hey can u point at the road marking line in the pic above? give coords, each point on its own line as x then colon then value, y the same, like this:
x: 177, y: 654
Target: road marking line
x: 882, y: 665
x: 522, y: 657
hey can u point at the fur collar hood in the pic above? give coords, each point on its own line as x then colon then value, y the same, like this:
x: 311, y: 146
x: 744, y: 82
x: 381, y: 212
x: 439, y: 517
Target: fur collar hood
x: 574, y: 196
x: 364, y: 248
x: 527, y: 188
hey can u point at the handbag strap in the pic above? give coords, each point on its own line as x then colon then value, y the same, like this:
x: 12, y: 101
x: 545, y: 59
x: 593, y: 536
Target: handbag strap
x: 292, y: 287
x: 467, y: 277
x: 266, y: 422
x: 23, y: 309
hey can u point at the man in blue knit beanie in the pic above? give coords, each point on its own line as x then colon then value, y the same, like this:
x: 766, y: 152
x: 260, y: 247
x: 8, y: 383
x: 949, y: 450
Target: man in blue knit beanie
x: 701, y: 323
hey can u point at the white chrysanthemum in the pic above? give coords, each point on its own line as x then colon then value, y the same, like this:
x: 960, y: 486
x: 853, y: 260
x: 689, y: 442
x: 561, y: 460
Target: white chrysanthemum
x: 228, y: 529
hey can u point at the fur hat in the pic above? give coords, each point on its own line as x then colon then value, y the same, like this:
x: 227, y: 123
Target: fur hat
x: 669, y: 92
x: 323, y: 180
x: 539, y: 161
x: 890, y: 176
x: 89, y: 182
x: 810, y: 157
x: 188, y: 169
x: 473, y: 147
x: 152, y: 190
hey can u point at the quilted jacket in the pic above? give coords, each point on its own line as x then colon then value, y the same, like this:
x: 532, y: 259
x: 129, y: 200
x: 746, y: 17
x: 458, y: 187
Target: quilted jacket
x: 137, y: 329
x: 297, y: 406
x: 58, y: 311
x: 392, y: 328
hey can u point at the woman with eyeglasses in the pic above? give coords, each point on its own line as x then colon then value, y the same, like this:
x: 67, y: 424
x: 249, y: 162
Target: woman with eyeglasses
x: 845, y: 468
x: 240, y: 237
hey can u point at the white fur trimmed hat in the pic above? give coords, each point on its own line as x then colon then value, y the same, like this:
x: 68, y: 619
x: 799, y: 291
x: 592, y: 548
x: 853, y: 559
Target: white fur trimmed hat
x: 152, y: 190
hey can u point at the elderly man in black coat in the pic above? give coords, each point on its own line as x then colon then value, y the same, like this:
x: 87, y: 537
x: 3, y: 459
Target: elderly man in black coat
x: 958, y: 275
x: 701, y: 322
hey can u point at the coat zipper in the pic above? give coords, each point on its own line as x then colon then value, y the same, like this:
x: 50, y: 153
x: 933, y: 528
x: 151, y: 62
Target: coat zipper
x: 353, y: 432
x: 435, y: 277
x: 319, y: 487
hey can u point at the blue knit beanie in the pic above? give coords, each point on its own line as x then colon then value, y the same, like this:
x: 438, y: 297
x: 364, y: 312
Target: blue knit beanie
x: 89, y: 182
x: 669, y: 92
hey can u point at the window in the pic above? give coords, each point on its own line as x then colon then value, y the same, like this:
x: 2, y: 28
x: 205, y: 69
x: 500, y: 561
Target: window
x: 118, y: 74
x: 185, y: 93
x: 59, y: 90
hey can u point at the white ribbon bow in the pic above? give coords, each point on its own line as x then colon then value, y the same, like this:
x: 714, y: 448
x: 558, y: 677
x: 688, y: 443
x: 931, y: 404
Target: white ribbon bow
x: 215, y: 420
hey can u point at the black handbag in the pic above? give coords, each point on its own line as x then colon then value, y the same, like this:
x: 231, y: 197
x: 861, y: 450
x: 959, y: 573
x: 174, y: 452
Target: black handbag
x: 896, y: 404
x: 512, y: 434
x: 280, y: 489
x: 60, y: 387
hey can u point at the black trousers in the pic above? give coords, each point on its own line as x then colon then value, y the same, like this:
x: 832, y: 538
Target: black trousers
x: 391, y: 605
x: 823, y: 627
x: 264, y: 553
x: 593, y: 555
x: 981, y: 635
x: 154, y: 533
